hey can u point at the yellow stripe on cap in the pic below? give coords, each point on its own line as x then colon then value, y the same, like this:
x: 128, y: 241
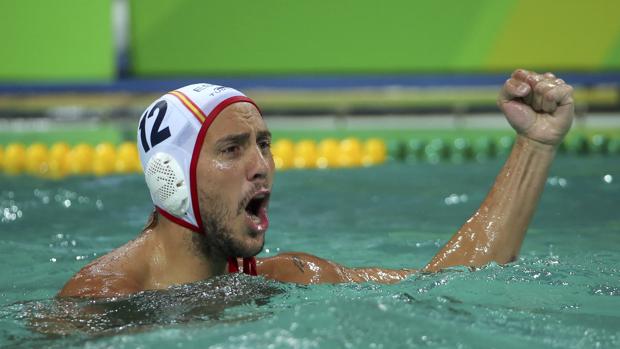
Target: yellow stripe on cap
x: 198, y: 113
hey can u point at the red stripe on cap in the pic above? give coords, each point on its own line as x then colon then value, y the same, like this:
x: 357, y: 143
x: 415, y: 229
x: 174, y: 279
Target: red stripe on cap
x: 176, y: 220
x: 195, y: 154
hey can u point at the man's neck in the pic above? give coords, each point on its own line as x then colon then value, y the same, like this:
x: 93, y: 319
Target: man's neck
x: 179, y: 258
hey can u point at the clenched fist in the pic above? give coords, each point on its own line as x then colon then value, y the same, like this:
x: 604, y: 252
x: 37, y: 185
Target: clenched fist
x: 538, y: 106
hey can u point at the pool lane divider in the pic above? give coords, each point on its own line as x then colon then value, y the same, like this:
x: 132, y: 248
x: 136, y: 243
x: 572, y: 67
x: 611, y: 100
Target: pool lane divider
x: 61, y: 160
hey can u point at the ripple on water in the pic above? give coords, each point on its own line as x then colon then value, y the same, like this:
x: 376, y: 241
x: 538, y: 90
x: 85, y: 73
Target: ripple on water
x: 209, y: 302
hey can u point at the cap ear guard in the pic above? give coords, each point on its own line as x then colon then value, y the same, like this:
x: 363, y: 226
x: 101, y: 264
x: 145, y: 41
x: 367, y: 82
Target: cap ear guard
x: 167, y: 184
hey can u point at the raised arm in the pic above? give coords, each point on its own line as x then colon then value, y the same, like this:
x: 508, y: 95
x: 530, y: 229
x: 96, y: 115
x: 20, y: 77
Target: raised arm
x: 540, y: 108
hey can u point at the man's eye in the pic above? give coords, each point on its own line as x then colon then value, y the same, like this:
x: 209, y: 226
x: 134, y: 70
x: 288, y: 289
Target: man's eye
x: 231, y: 149
x: 266, y: 144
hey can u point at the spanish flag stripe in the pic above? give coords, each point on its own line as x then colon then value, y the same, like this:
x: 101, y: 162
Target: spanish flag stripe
x: 190, y: 105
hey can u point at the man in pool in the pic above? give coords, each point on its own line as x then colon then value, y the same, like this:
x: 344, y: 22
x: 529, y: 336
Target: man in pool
x: 211, y: 192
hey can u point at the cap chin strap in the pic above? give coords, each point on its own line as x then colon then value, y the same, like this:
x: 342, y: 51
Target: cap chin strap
x: 249, y: 265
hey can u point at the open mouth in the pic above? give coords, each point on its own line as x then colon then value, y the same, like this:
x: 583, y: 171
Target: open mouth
x: 256, y: 211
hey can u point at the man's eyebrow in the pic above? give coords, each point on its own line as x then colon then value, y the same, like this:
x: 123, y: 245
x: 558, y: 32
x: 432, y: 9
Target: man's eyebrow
x: 238, y: 138
x: 263, y: 134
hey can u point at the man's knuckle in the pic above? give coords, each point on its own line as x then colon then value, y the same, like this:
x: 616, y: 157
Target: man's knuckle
x: 550, y: 96
x: 541, y: 88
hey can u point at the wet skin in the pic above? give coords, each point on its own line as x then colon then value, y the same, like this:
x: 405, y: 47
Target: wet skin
x: 235, y: 165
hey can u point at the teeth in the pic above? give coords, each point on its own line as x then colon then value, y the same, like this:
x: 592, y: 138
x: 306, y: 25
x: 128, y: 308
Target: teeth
x: 255, y: 219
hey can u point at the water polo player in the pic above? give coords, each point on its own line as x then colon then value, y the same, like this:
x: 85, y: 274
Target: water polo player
x: 205, y: 151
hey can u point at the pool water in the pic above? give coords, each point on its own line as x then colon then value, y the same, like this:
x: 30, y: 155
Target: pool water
x: 563, y: 292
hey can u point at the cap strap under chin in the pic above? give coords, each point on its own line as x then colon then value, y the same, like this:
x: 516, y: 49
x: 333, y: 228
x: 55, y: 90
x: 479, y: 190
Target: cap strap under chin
x: 249, y: 265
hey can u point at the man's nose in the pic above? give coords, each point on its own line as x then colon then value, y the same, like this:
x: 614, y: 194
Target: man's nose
x: 258, y: 167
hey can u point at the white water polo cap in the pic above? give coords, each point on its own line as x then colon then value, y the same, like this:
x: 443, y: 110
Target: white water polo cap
x: 170, y: 135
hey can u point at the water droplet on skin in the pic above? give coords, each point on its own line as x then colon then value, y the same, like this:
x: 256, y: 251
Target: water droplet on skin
x: 221, y: 165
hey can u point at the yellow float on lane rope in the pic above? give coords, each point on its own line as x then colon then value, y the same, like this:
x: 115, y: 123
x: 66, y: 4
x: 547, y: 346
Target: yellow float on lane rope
x: 283, y: 152
x: 58, y: 161
x: 104, y: 161
x: 37, y: 159
x: 81, y: 159
x: 14, y: 159
x: 305, y: 154
x: 127, y: 158
x: 329, y: 150
x: 61, y: 160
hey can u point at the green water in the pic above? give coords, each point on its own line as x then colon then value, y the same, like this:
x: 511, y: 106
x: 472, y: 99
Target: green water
x: 563, y: 292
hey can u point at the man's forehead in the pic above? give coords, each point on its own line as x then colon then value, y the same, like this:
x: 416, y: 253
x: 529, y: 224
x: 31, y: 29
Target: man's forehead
x: 236, y: 118
x: 239, y: 112
x: 244, y: 110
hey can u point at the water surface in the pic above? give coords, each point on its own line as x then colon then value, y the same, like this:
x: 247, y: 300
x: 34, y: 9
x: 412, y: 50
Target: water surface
x: 563, y: 292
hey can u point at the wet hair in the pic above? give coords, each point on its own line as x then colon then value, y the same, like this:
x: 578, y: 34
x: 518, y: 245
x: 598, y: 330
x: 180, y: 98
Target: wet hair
x: 152, y: 221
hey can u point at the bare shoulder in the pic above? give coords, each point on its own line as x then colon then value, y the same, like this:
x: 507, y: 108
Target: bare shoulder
x: 120, y: 272
x: 88, y: 283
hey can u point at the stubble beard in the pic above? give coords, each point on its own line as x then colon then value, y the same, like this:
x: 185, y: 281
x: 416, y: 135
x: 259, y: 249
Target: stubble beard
x: 217, y: 239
